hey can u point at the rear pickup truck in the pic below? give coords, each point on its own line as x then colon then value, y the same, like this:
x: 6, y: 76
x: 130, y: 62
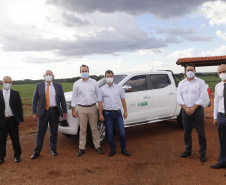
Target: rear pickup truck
x: 150, y: 96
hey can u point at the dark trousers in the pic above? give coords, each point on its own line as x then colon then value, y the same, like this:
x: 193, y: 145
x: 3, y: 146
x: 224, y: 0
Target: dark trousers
x: 11, y: 127
x: 50, y: 116
x: 196, y: 120
x: 221, y: 126
x: 112, y: 119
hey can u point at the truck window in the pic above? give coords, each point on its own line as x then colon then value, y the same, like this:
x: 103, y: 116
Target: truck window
x: 159, y: 81
x: 138, y: 83
x: 117, y: 79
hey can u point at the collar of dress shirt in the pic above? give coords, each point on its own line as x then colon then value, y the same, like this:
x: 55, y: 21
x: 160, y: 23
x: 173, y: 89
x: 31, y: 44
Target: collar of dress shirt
x: 192, y: 80
x: 84, y: 80
x: 4, y: 91
x: 109, y: 85
x: 47, y: 83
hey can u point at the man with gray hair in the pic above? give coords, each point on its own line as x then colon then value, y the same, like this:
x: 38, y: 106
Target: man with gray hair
x: 51, y: 103
x: 11, y: 115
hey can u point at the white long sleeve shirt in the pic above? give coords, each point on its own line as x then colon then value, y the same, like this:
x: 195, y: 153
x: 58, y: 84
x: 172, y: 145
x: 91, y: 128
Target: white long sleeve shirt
x: 85, y: 92
x: 191, y: 93
x: 218, y: 99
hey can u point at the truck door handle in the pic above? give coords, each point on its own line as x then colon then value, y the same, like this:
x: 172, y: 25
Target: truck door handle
x: 171, y: 93
x: 146, y: 97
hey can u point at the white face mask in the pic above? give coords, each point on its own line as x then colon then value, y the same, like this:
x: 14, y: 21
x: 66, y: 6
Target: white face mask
x: 190, y: 74
x: 48, y: 78
x: 109, y: 80
x: 223, y: 76
x: 7, y: 86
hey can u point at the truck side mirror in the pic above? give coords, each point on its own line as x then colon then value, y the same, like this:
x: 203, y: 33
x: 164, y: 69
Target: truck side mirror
x: 127, y: 88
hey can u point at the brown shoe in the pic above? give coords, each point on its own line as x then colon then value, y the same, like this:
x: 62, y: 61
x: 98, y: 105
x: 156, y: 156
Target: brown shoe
x: 99, y: 150
x: 80, y: 152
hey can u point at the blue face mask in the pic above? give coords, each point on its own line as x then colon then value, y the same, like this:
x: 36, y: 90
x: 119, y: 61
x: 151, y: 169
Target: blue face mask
x: 85, y: 75
x: 6, y: 86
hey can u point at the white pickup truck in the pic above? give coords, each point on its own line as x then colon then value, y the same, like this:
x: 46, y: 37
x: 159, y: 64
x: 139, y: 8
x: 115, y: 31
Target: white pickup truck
x: 150, y: 97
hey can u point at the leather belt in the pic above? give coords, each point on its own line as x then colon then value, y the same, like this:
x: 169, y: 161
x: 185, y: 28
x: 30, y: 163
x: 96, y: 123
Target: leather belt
x: 223, y: 114
x: 10, y: 117
x: 111, y: 111
x: 86, y: 105
x: 52, y: 107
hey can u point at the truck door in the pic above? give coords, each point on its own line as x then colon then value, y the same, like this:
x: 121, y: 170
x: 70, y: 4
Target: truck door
x: 138, y: 100
x: 164, y: 95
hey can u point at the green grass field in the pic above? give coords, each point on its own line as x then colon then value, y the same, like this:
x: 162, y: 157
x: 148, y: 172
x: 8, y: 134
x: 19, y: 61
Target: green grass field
x: 26, y: 90
x: 211, y: 81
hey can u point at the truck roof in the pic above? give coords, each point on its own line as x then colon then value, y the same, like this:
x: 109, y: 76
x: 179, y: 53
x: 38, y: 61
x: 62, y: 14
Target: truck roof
x: 143, y: 72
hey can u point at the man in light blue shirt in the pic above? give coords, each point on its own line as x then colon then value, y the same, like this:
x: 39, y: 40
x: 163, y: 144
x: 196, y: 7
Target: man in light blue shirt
x: 110, y: 102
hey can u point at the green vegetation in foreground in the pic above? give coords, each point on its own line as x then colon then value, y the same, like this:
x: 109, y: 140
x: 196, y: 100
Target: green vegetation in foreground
x: 211, y: 81
x: 26, y: 90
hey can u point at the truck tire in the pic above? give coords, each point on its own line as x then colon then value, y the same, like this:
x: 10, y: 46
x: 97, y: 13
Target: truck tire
x: 180, y: 120
x: 102, y: 133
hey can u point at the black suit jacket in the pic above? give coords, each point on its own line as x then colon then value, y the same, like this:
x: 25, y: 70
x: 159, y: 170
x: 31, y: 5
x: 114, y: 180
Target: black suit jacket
x: 15, y: 105
x: 40, y: 97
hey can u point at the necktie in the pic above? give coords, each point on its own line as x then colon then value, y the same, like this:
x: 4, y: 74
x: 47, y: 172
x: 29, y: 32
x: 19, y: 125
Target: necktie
x: 225, y: 98
x: 47, y: 97
x: 7, y: 104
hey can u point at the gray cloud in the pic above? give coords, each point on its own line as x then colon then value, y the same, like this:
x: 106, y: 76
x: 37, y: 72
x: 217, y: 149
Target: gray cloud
x: 178, y: 34
x: 72, y: 20
x: 173, y: 39
x: 105, y: 42
x: 160, y: 8
x: 199, y: 38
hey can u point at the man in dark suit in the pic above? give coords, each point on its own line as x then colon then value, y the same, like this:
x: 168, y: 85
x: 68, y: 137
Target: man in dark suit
x: 52, y: 103
x: 11, y: 115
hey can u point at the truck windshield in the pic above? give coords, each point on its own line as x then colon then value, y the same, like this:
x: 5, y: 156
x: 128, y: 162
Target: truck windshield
x: 117, y: 79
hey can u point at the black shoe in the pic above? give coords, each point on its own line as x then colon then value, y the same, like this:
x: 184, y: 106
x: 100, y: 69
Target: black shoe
x: 54, y: 153
x: 203, y: 158
x: 111, y: 153
x: 217, y: 166
x: 125, y: 152
x: 80, y: 152
x: 99, y: 150
x: 185, y: 154
x: 35, y: 155
x: 1, y: 161
x: 17, y: 159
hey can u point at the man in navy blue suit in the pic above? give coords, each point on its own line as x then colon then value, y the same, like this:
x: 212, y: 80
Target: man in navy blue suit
x: 51, y: 104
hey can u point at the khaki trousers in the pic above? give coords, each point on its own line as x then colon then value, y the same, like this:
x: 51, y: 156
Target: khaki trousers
x: 85, y: 115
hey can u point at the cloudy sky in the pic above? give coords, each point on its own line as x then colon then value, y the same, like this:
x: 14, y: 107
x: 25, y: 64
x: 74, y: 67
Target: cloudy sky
x: 122, y: 35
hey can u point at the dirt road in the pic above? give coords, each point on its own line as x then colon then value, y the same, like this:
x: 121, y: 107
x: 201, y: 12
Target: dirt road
x: 155, y: 159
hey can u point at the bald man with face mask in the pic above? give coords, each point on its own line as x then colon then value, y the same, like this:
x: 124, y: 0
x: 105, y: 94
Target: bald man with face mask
x: 49, y: 97
x: 219, y: 116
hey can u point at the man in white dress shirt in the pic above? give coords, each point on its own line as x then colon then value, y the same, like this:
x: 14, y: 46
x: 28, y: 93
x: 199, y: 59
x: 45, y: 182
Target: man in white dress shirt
x: 219, y: 116
x: 111, y: 100
x: 85, y: 96
x: 191, y: 96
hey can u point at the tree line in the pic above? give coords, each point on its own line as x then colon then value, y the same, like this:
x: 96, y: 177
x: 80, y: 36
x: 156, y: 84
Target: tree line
x: 64, y: 80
